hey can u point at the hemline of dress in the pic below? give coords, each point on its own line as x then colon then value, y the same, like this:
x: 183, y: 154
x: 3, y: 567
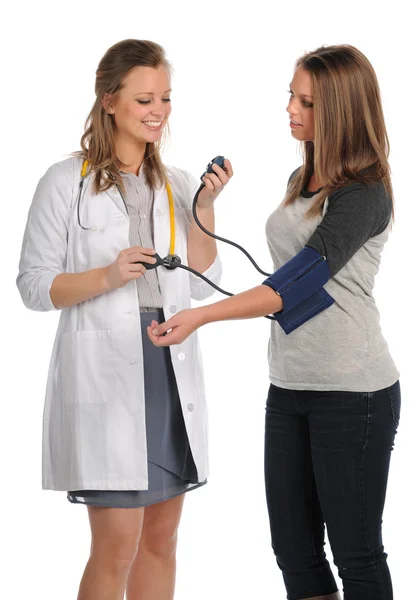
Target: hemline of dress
x: 192, y: 486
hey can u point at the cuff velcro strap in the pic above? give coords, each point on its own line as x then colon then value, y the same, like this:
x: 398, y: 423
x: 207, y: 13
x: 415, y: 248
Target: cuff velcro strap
x: 300, y: 284
x: 297, y: 316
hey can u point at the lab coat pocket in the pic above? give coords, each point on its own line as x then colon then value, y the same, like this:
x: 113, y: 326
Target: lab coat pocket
x: 87, y: 367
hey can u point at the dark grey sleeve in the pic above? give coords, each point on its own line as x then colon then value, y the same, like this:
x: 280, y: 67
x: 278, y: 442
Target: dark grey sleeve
x: 295, y: 172
x: 355, y: 214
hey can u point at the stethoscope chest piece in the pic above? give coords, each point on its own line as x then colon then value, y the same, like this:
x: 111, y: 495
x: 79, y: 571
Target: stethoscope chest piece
x: 171, y: 262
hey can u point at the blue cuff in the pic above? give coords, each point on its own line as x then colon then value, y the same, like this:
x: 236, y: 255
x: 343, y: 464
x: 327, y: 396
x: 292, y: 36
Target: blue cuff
x: 300, y: 284
x: 297, y: 316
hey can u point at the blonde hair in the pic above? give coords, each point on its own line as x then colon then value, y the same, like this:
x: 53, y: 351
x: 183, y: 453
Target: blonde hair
x: 97, y: 142
x: 351, y: 142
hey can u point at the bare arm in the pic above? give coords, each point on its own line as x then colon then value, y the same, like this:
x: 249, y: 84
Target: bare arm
x: 202, y: 249
x: 257, y: 302
x: 72, y: 288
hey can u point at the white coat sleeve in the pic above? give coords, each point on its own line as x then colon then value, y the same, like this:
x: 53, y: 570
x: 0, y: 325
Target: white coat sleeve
x: 44, y: 246
x: 200, y: 290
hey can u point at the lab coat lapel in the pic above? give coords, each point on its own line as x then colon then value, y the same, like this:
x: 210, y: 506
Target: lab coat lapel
x: 115, y: 196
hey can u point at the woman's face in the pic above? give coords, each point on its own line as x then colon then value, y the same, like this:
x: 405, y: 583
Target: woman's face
x: 300, y: 107
x: 142, y: 106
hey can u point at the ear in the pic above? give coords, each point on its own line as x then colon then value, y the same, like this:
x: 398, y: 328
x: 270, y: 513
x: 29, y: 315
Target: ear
x: 107, y: 104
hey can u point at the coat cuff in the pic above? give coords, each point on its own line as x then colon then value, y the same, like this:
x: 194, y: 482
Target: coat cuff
x: 45, y: 284
x: 300, y: 284
x: 200, y: 289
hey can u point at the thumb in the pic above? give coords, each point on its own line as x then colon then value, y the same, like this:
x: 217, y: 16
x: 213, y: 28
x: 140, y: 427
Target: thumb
x: 159, y: 329
x: 154, y: 326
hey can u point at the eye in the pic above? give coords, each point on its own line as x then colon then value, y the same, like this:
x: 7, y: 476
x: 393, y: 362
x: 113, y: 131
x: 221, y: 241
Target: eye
x: 143, y: 101
x: 307, y: 104
x: 291, y: 93
x: 166, y: 100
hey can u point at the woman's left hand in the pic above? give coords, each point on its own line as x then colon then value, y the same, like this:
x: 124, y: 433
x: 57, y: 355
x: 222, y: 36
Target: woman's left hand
x: 181, y: 326
x: 214, y: 184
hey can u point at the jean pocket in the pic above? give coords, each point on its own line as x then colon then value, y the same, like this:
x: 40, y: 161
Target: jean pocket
x: 395, y: 401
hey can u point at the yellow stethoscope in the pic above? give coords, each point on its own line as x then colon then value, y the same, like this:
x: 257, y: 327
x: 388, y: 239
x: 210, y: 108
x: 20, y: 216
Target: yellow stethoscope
x: 171, y: 210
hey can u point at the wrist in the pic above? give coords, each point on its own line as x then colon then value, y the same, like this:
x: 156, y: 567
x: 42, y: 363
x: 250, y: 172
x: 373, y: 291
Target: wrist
x: 202, y: 315
x: 104, y: 279
x: 204, y: 206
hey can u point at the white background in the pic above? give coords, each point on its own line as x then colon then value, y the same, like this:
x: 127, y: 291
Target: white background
x: 233, y: 63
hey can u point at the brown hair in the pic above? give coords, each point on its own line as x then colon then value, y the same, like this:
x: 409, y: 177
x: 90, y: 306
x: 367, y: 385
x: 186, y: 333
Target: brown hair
x: 351, y: 142
x: 97, y: 142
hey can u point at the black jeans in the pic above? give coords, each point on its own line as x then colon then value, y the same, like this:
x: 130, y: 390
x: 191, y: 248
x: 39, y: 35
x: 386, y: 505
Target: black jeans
x: 327, y: 458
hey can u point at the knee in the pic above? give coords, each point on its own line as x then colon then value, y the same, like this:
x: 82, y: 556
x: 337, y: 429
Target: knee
x: 117, y: 555
x: 351, y: 562
x: 161, y: 542
x: 295, y: 558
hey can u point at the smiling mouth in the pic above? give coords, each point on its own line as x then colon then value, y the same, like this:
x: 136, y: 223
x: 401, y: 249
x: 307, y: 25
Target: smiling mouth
x: 295, y: 123
x: 153, y: 123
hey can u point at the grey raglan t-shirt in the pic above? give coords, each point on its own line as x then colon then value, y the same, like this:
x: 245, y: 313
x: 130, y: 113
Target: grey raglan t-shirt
x: 341, y: 348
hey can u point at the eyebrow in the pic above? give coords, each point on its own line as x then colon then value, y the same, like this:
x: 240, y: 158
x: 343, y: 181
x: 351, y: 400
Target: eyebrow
x: 301, y: 95
x: 150, y: 93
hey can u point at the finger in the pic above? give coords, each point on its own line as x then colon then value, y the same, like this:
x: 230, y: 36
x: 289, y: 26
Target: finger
x: 229, y: 168
x: 164, y: 340
x: 139, y: 257
x: 140, y: 250
x: 153, y: 327
x: 217, y: 183
x: 162, y: 328
x: 136, y: 268
x: 222, y: 175
x: 208, y: 183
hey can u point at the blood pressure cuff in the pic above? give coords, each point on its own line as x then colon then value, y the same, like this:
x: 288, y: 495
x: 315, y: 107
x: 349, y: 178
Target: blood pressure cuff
x: 300, y: 284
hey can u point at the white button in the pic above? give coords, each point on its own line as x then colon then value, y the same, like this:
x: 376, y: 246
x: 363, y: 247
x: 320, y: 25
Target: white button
x: 93, y: 228
x: 142, y: 216
x: 127, y: 314
x: 173, y: 308
x: 181, y: 356
x: 159, y: 213
x: 132, y: 362
x: 190, y: 407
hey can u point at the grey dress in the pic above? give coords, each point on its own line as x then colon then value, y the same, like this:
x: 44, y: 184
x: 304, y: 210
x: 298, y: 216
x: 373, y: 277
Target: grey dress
x: 171, y: 468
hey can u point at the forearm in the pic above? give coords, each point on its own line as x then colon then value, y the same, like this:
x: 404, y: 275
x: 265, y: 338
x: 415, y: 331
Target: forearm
x: 202, y: 249
x: 72, y: 288
x: 257, y: 302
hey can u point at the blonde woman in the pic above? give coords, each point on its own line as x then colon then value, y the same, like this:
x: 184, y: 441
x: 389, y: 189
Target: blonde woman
x: 334, y: 401
x: 124, y: 429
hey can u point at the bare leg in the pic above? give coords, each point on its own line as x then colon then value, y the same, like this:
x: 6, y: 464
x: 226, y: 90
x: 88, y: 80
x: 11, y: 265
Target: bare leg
x: 152, y: 576
x: 115, y: 540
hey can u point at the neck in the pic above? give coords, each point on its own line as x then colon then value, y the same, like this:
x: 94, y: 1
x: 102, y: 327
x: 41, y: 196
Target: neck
x: 130, y: 153
x: 314, y: 184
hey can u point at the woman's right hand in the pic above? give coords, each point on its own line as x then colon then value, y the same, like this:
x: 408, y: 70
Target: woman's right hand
x: 125, y: 269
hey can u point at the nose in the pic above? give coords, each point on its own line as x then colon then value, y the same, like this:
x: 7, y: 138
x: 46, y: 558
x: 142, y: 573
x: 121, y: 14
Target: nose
x: 158, y: 108
x: 292, y: 108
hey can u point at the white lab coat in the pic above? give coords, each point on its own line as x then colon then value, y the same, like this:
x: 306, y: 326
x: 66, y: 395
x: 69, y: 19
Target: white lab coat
x: 94, y: 434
